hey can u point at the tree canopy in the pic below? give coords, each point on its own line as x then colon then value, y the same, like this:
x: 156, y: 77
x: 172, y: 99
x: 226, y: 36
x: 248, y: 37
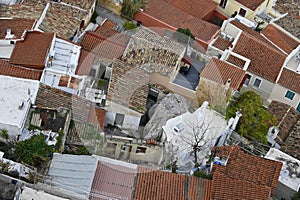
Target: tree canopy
x: 130, y: 7
x: 183, y: 35
x: 33, y: 151
x: 256, y: 120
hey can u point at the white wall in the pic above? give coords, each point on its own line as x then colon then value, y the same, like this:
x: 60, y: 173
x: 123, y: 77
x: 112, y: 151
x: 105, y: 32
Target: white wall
x: 278, y: 94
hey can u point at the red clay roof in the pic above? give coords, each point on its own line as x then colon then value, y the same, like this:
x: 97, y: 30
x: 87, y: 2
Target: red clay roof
x: 227, y: 188
x: 236, y: 61
x: 108, y: 24
x: 266, y: 62
x: 85, y: 63
x: 32, y: 52
x: 290, y: 80
x: 253, y: 4
x: 97, y: 116
x: 280, y: 38
x: 197, y: 8
x: 7, y: 69
x: 105, y: 43
x: 166, y: 15
x: 221, y: 43
x: 220, y: 71
x: 17, y: 26
x: 112, y: 182
x: 242, y: 167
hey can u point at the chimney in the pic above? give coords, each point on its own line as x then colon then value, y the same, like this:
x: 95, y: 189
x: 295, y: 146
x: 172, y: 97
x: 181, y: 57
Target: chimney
x: 8, y: 34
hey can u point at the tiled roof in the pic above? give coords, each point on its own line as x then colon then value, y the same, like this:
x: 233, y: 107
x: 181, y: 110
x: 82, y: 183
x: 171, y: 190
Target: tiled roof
x: 220, y: 71
x: 108, y: 24
x: 17, y: 26
x: 85, y: 63
x: 290, y: 80
x: 193, y: 6
x: 128, y: 86
x: 279, y: 38
x: 251, y: 4
x: 54, y: 98
x: 83, y: 4
x: 286, y: 117
x: 291, y: 146
x: 33, y: 50
x: 108, y: 46
x: 165, y: 12
x: 22, y: 11
x: 243, y: 167
x: 236, y: 61
x: 152, y: 184
x: 227, y: 188
x: 62, y: 19
x: 266, y: 62
x: 290, y: 22
x: 97, y: 116
x: 221, y: 43
x: 19, y: 72
x: 112, y: 182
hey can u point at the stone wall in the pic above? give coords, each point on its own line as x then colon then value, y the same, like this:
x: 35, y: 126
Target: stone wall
x: 111, y: 5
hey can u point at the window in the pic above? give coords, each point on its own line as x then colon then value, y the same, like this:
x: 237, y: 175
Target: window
x: 247, y: 79
x: 242, y: 12
x: 289, y: 94
x: 257, y: 83
x: 223, y: 3
x: 141, y: 150
x: 298, y: 107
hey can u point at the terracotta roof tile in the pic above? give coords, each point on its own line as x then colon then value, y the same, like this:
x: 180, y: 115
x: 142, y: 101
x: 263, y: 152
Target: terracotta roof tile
x: 103, y: 46
x: 200, y: 189
x: 63, y: 20
x: 108, y: 24
x: 85, y: 63
x: 266, y: 62
x: 286, y: 117
x: 166, y: 15
x: 156, y: 185
x: 32, y: 52
x: 220, y: 71
x: 83, y: 4
x: 221, y: 43
x: 251, y: 4
x: 129, y: 86
x: 279, y: 38
x: 243, y: 167
x: 112, y: 182
x: 227, y: 188
x: 17, y: 25
x: 19, y: 72
x: 97, y: 116
x: 193, y: 6
x: 236, y: 61
x: 290, y: 80
x: 54, y: 98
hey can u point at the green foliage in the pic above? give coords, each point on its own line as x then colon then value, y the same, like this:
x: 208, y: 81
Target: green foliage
x: 183, y: 35
x: 128, y: 25
x: 201, y: 174
x: 130, y: 7
x: 34, y: 151
x: 4, y: 134
x: 255, y: 121
x: 296, y: 196
x: 94, y: 16
x: 172, y: 166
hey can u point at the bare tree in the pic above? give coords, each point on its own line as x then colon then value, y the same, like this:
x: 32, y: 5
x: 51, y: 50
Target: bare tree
x: 197, y: 137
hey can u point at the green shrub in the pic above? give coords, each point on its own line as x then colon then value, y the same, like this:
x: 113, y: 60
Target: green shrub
x: 128, y: 25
